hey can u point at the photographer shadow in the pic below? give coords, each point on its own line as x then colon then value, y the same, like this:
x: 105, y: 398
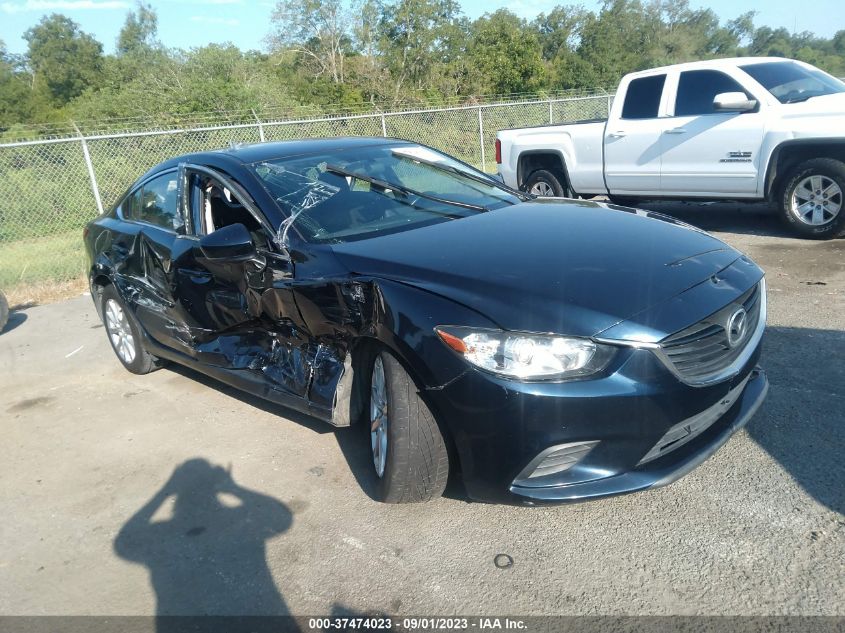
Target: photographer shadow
x: 203, y: 538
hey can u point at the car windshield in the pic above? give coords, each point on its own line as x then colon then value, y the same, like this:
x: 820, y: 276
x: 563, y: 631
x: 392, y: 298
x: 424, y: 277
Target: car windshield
x: 362, y: 192
x: 790, y: 82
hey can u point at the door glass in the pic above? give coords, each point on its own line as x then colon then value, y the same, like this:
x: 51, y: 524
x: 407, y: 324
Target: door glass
x: 159, y: 203
x: 217, y: 206
x: 698, y: 88
x: 642, y: 101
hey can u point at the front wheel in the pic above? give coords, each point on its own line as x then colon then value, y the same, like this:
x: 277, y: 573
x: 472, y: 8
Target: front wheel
x: 811, y: 200
x: 408, y: 450
x: 4, y: 311
x: 125, y: 335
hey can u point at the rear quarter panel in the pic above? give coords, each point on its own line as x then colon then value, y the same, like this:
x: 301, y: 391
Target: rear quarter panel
x: 578, y: 144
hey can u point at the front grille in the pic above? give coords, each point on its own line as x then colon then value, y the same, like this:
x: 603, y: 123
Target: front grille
x: 705, y: 350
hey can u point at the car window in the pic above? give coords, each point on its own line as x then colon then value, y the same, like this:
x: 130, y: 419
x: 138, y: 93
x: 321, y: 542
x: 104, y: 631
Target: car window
x: 215, y: 206
x: 698, y: 88
x: 157, y: 203
x: 363, y: 192
x: 642, y: 100
x: 131, y: 205
x: 791, y: 83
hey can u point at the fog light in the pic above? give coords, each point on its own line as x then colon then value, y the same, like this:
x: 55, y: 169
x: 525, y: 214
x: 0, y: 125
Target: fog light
x: 555, y: 460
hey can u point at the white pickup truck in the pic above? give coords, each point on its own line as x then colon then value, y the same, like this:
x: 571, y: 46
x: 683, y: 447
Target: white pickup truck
x: 766, y: 129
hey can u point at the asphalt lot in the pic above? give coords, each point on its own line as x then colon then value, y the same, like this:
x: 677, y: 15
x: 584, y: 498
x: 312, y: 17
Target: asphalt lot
x: 92, y: 452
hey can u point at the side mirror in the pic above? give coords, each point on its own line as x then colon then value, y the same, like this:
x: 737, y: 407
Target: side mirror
x: 232, y: 243
x: 733, y: 102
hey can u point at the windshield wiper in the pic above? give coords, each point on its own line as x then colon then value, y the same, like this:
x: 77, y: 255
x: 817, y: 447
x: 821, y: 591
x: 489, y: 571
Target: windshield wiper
x: 490, y: 182
x: 383, y: 184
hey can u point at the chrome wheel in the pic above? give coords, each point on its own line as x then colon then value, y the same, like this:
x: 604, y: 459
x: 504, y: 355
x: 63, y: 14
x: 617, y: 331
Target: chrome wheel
x: 120, y: 333
x: 816, y: 200
x: 542, y: 189
x: 378, y: 417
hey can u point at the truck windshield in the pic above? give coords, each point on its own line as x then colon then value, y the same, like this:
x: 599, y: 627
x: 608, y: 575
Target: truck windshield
x: 790, y: 82
x: 357, y: 193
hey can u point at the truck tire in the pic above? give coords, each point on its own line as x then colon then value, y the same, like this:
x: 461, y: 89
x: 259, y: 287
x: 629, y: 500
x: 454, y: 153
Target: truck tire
x: 125, y: 334
x: 4, y: 311
x: 545, y: 183
x: 812, y: 199
x: 408, y: 450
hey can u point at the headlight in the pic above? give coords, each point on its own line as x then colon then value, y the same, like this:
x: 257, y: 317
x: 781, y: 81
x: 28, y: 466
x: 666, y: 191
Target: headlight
x: 527, y: 356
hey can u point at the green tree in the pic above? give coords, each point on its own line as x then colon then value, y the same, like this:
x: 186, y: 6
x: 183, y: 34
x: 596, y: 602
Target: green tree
x: 319, y: 30
x: 64, y: 60
x: 15, y: 93
x: 507, y: 53
x: 415, y: 39
x: 139, y: 32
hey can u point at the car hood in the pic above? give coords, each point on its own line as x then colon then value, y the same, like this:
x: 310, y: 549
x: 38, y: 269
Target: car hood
x: 571, y: 267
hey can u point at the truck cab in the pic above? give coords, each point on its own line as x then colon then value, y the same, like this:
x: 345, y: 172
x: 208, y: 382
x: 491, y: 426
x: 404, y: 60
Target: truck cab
x: 735, y: 129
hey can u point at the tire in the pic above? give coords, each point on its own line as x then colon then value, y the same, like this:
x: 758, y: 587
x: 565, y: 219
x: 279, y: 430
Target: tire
x: 4, y: 311
x: 799, y: 206
x: 411, y: 450
x: 119, y: 321
x: 622, y: 201
x: 551, y: 183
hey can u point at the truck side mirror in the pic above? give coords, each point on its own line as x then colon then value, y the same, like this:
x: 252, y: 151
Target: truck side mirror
x: 231, y: 243
x: 733, y: 102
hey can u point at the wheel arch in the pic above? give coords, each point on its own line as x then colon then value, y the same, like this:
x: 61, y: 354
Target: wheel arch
x: 789, y: 154
x: 531, y: 160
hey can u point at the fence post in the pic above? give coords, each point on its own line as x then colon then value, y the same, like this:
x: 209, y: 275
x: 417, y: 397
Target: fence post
x: 481, y: 139
x: 609, y: 103
x: 383, y: 126
x: 260, y: 127
x: 551, y: 116
x: 94, y: 187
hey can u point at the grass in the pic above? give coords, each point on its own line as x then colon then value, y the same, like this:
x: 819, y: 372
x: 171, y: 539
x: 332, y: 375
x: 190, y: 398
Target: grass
x: 41, y: 270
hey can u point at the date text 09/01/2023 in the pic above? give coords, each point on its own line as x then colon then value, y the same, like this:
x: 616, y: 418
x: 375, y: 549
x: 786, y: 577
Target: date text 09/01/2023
x: 417, y: 624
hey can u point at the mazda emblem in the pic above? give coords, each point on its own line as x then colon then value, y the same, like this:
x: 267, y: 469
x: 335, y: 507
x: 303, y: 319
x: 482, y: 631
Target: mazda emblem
x: 737, y: 324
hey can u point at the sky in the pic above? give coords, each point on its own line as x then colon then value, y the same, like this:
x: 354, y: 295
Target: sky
x: 245, y: 23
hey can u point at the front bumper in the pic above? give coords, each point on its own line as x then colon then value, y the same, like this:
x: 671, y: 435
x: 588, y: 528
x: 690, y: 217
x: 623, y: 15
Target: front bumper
x: 500, y: 428
x: 667, y: 469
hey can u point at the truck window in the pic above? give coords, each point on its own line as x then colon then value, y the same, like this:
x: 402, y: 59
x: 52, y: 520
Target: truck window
x: 698, y: 88
x: 643, y: 97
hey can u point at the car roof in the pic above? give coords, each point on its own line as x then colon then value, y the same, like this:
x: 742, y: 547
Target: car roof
x: 238, y: 154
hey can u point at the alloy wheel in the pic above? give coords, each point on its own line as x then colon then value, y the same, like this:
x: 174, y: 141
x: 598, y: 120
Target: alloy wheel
x: 119, y: 331
x: 542, y: 189
x: 816, y: 200
x: 378, y: 417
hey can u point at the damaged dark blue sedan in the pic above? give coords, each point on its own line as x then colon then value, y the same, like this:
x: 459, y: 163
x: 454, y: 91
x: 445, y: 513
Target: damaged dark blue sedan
x: 544, y: 350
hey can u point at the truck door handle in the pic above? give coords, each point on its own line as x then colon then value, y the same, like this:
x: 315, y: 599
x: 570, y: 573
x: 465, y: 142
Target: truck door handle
x: 676, y: 130
x: 617, y: 134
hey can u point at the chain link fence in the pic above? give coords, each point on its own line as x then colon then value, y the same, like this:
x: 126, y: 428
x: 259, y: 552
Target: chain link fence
x: 51, y: 188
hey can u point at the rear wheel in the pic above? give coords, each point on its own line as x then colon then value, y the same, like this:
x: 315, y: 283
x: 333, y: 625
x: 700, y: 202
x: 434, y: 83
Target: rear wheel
x: 125, y: 335
x: 408, y: 450
x: 812, y: 199
x: 545, y: 183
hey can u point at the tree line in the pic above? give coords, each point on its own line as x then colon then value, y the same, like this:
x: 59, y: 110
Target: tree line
x: 358, y: 54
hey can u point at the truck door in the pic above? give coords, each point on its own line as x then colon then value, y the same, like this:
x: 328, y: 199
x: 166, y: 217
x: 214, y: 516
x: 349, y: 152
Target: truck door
x: 632, y: 138
x: 709, y: 153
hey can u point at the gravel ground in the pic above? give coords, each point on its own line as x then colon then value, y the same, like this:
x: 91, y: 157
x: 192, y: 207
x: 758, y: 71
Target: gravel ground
x: 756, y: 530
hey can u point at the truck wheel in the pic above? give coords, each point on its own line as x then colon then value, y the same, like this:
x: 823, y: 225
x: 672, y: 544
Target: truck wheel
x: 812, y: 199
x: 408, y: 450
x: 125, y: 335
x: 544, y: 183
